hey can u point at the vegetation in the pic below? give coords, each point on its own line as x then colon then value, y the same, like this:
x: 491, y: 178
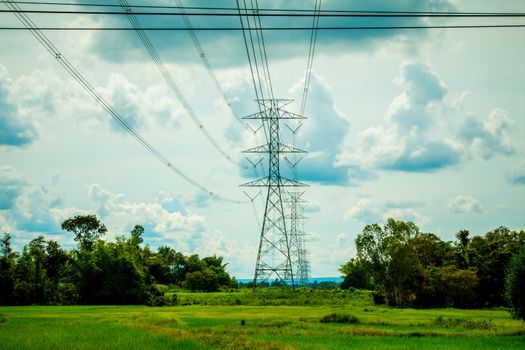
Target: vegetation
x: 264, y: 327
x: 406, y: 267
x: 99, y: 272
x: 395, y: 264
x: 515, y: 285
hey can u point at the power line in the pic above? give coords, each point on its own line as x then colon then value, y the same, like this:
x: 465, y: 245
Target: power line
x: 75, y: 74
x: 260, y: 13
x: 282, y: 11
x: 262, y: 48
x: 250, y: 29
x: 311, y: 53
x: 169, y: 79
x: 206, y: 62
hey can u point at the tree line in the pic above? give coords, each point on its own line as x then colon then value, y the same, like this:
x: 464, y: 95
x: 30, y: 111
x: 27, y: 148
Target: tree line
x: 406, y: 267
x: 100, y: 272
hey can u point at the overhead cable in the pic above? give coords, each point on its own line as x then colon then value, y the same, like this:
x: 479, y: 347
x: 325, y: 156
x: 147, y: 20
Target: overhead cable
x: 169, y: 79
x: 229, y: 29
x: 283, y: 10
x: 206, y: 62
x: 311, y: 53
x: 286, y: 13
x: 75, y: 74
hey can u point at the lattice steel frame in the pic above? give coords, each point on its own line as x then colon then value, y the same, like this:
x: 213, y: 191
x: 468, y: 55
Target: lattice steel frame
x: 274, y: 256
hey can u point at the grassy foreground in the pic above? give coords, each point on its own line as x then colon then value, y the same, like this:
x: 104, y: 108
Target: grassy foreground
x: 353, y: 325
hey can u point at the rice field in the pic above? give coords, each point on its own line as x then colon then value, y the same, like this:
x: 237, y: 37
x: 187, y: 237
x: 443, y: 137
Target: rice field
x: 256, y: 327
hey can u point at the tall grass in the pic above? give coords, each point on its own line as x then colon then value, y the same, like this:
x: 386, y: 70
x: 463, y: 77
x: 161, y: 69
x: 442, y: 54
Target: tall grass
x: 355, y: 325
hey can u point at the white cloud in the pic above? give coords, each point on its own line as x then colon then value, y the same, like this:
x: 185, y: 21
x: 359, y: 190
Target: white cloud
x: 489, y: 137
x: 408, y: 140
x: 42, y: 96
x: 15, y: 130
x: 516, y: 175
x: 321, y: 135
x: 178, y: 227
x: 33, y: 210
x: 341, y: 250
x: 27, y: 207
x: 12, y: 183
x: 368, y: 211
x: 415, y: 135
x: 464, y: 205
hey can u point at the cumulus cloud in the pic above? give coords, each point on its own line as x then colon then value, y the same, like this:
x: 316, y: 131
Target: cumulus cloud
x: 163, y: 226
x: 516, y: 175
x: 36, y: 209
x: 321, y: 135
x: 411, y: 138
x: 42, y: 96
x: 11, y: 184
x: 368, y: 211
x: 407, y: 141
x: 14, y: 130
x: 227, y: 48
x: 464, y: 205
x: 311, y: 207
x: 27, y: 210
x: 489, y: 137
x: 27, y: 207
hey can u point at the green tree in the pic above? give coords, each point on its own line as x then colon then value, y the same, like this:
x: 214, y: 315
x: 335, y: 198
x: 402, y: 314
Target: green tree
x: 356, y: 275
x: 168, y: 266
x: 462, y: 244
x: 5, y: 246
x: 515, y: 285
x: 446, y: 286
x: 55, y: 262
x: 7, y: 270
x: 490, y: 255
x: 87, y: 229
x: 390, y: 256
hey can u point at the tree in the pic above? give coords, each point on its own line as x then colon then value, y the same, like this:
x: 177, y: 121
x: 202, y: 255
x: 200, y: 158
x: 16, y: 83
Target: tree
x: 55, y: 262
x: 7, y: 273
x: 490, y: 255
x: 37, y: 255
x: 463, y: 241
x: 389, y: 254
x: 515, y: 285
x: 446, y: 286
x: 168, y: 266
x: 5, y: 245
x: 87, y: 229
x: 356, y: 275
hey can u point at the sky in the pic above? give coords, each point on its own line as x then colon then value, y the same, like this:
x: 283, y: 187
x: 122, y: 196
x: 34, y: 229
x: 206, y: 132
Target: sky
x: 423, y: 125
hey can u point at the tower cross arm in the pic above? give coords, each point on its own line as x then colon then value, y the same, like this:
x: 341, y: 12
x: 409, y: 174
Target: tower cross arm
x: 282, y: 148
x: 281, y: 181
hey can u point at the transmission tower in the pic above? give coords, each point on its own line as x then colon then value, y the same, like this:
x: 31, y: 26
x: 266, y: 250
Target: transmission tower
x: 276, y: 246
x: 300, y: 262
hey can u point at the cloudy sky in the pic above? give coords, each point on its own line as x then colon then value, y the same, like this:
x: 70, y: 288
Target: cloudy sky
x: 423, y: 125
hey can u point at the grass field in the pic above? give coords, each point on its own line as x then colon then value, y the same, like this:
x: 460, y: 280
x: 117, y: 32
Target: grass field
x: 349, y: 326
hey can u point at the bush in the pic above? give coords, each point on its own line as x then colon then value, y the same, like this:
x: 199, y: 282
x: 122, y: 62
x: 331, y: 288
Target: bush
x: 515, y: 285
x: 463, y: 323
x: 379, y: 298
x: 340, y: 318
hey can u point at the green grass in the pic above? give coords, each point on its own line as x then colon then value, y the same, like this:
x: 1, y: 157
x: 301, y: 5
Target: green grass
x: 349, y: 325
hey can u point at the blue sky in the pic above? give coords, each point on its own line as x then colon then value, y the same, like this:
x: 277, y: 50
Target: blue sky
x: 424, y: 126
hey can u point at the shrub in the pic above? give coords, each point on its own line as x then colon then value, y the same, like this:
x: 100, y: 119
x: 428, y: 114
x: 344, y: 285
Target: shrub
x: 340, y: 318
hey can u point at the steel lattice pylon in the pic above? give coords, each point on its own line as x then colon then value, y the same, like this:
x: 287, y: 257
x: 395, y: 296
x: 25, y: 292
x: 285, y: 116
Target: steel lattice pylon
x: 300, y: 263
x: 276, y: 245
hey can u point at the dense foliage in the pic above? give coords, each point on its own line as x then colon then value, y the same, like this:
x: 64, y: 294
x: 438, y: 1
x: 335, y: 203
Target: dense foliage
x: 100, y: 272
x: 406, y: 267
x: 515, y: 285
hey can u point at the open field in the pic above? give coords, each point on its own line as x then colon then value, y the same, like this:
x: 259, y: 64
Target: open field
x: 256, y: 327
